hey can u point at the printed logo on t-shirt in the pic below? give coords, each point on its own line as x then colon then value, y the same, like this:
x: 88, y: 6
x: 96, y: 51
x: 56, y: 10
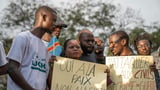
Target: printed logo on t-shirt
x: 38, y: 64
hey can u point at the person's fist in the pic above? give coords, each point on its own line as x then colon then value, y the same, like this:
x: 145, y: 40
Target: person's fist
x: 152, y: 67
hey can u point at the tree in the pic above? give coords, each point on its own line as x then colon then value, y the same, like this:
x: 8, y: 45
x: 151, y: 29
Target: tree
x: 156, y: 39
x: 100, y: 17
x: 154, y: 36
x: 95, y: 16
x: 7, y: 43
x: 127, y: 20
x: 19, y: 16
x: 134, y: 33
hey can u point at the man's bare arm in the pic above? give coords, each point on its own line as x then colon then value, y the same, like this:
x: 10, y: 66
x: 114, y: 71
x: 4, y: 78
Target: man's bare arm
x: 3, y: 69
x: 16, y: 76
x: 51, y: 63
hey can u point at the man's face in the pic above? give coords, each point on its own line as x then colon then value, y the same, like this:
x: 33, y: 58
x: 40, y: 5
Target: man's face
x: 99, y: 46
x: 87, y: 42
x: 50, y: 21
x: 143, y: 47
x: 56, y: 32
x: 115, y: 45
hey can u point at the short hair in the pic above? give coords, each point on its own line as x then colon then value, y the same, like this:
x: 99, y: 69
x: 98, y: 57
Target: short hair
x: 143, y: 36
x: 82, y: 32
x: 122, y: 35
x: 43, y: 9
x: 99, y: 38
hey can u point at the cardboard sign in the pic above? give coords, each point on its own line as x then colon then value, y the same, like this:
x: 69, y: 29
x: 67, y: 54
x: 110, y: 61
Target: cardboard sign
x: 131, y: 73
x: 157, y: 61
x: 70, y: 74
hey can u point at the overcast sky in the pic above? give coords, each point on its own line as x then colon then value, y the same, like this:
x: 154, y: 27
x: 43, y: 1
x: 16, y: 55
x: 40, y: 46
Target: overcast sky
x: 149, y: 9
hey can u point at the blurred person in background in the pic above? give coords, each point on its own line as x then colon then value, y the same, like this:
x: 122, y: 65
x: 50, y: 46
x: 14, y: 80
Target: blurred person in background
x: 51, y: 40
x: 99, y: 50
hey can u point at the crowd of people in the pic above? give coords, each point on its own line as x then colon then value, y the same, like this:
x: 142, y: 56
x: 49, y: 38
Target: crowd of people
x: 29, y: 62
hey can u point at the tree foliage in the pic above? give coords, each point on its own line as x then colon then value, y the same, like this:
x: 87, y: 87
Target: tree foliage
x: 95, y: 16
x: 100, y: 17
x: 155, y: 36
x: 134, y: 33
x: 19, y: 15
x: 7, y: 43
x: 127, y: 20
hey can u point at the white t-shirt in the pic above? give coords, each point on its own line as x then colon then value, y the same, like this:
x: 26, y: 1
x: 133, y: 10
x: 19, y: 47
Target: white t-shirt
x: 45, y: 43
x: 3, y: 60
x: 33, y: 57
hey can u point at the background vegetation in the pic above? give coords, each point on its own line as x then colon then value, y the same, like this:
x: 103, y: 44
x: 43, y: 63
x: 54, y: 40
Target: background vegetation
x: 99, y: 17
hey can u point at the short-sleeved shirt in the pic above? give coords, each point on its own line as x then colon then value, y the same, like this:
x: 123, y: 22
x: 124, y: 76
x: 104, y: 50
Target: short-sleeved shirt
x: 31, y: 53
x: 3, y: 60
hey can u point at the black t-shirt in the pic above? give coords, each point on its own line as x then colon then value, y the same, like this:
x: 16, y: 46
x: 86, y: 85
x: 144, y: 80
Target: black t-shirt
x: 89, y: 57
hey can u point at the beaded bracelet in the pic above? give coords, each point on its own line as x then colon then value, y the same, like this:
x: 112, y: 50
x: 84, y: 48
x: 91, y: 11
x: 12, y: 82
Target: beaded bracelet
x: 51, y: 64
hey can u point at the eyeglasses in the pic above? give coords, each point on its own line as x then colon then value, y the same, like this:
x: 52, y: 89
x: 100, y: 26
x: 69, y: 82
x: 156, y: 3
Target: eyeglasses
x: 117, y: 41
x: 141, y: 46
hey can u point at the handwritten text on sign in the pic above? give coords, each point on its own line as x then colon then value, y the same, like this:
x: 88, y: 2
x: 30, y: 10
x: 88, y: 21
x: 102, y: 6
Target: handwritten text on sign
x: 131, y: 73
x: 70, y: 74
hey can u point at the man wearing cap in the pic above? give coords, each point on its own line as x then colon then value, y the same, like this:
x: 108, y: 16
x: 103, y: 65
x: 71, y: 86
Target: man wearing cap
x: 51, y: 41
x: 58, y: 27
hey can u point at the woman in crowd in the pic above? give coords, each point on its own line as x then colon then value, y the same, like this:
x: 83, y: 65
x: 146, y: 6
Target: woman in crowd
x: 143, y: 46
x: 71, y: 49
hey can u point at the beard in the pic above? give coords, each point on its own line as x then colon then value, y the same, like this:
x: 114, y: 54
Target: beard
x: 88, y: 50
